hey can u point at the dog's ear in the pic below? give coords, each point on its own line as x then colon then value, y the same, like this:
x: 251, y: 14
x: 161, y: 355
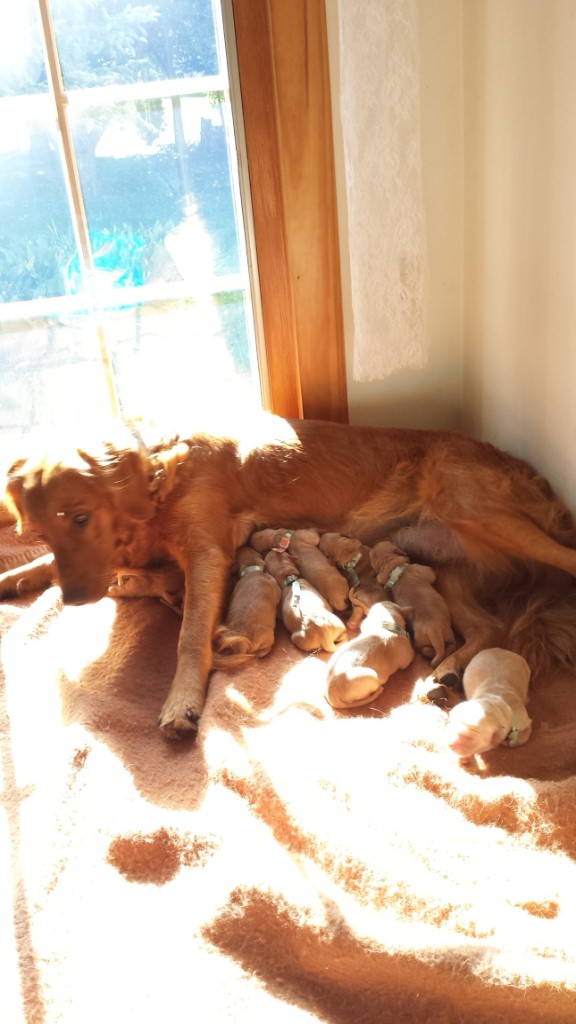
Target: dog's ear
x: 131, y: 487
x: 126, y: 476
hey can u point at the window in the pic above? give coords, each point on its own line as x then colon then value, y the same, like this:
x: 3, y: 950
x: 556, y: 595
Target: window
x: 147, y: 199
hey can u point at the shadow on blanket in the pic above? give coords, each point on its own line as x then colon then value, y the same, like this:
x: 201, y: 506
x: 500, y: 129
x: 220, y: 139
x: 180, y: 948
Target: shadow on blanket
x: 296, y: 864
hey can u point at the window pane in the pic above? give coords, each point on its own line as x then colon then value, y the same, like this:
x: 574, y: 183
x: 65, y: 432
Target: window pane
x: 158, y: 192
x: 51, y: 374
x: 184, y: 355
x: 36, y: 234
x: 111, y: 42
x: 169, y: 306
x: 21, y: 58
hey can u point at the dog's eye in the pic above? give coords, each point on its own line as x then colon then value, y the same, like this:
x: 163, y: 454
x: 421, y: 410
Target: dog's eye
x: 81, y: 519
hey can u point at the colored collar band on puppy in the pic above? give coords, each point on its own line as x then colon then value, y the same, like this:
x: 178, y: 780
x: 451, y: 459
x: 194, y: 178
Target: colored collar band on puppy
x: 391, y: 627
x: 395, y: 576
x: 251, y: 568
x: 512, y: 737
x: 284, y: 542
x: 350, y: 569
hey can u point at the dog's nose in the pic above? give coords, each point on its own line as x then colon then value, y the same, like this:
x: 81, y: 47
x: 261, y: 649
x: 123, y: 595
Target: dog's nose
x: 75, y: 595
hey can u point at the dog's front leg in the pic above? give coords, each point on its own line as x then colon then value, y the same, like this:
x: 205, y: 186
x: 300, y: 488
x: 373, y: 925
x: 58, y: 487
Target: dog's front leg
x: 206, y: 574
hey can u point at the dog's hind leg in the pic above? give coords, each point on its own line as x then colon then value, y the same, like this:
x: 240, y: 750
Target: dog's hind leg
x: 515, y: 537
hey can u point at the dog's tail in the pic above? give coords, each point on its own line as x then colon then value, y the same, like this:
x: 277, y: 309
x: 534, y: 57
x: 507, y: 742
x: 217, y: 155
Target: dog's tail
x: 543, y: 629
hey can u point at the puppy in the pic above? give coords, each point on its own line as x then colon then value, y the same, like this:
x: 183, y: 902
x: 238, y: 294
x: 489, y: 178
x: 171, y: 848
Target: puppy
x: 312, y: 564
x: 496, y: 687
x: 413, y: 585
x: 358, y: 671
x: 250, y: 623
x: 352, y: 559
x: 308, y: 618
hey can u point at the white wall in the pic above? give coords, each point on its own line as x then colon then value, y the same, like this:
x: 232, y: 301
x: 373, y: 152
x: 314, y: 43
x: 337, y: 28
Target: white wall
x: 499, y: 163
x: 520, y: 230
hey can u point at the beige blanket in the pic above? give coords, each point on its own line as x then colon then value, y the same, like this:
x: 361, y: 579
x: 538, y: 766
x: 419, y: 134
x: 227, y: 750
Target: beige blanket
x: 296, y: 864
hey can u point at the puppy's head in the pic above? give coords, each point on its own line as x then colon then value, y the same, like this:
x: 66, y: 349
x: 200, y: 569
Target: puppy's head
x: 475, y: 728
x: 340, y: 549
x: 77, y: 503
x: 383, y: 616
x: 384, y: 557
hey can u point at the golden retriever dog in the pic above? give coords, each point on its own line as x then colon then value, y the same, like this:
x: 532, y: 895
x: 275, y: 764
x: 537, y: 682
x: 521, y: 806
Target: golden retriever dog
x: 312, y: 564
x: 496, y: 688
x: 193, y: 499
x: 360, y: 668
x: 250, y: 623
x: 412, y: 584
x: 308, y: 617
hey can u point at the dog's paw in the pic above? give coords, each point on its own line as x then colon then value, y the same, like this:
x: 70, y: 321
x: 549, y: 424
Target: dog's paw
x: 449, y: 673
x: 179, y: 721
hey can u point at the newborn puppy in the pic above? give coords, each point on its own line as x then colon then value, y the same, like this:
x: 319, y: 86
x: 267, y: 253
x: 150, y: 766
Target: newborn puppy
x: 357, y: 672
x: 251, y: 618
x: 308, y: 618
x: 496, y: 687
x: 311, y: 562
x: 317, y: 569
x: 414, y: 585
x: 353, y: 559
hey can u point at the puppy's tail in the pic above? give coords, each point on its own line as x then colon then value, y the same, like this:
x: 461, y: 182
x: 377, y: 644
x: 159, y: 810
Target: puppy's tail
x: 231, y: 650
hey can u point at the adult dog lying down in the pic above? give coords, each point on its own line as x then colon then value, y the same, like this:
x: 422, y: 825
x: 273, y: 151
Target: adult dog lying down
x: 129, y: 503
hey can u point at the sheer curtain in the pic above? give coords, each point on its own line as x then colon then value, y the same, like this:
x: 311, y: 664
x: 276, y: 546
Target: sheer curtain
x: 380, y: 101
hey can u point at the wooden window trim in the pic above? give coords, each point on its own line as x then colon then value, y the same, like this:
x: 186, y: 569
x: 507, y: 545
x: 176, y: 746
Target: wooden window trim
x: 285, y: 87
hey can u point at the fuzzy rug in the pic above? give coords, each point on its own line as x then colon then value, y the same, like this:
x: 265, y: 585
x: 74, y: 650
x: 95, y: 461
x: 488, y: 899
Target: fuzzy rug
x: 295, y: 864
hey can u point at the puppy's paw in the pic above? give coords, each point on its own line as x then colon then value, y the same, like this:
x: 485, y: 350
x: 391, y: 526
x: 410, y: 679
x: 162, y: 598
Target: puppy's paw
x: 179, y: 720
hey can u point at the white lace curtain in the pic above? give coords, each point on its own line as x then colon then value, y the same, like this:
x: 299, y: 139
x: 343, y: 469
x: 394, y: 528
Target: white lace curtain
x: 379, y: 100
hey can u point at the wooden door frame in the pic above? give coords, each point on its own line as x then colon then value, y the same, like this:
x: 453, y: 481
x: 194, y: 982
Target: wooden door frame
x: 282, y: 52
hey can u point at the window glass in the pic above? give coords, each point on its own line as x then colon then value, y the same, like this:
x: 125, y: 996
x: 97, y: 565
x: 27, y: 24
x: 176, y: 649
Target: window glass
x: 22, y: 69
x: 111, y: 42
x: 165, y: 301
x: 36, y: 232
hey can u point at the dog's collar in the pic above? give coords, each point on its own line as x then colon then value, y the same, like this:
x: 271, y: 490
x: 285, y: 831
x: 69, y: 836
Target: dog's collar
x: 395, y: 576
x: 284, y: 542
x: 512, y: 737
x: 250, y: 568
x: 158, y: 474
x: 350, y: 569
x: 397, y: 630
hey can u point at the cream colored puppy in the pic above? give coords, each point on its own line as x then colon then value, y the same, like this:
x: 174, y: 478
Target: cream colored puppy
x: 358, y: 671
x: 496, y: 687
x: 312, y: 624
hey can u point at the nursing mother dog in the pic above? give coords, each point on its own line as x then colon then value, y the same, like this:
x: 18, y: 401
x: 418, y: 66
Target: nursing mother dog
x: 126, y: 501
